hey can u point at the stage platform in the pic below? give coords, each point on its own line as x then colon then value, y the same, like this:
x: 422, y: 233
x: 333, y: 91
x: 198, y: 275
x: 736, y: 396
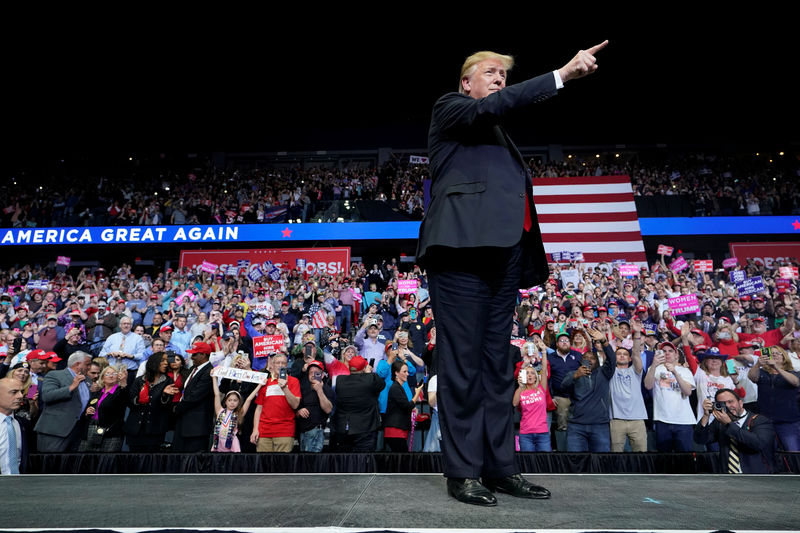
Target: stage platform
x: 395, y: 502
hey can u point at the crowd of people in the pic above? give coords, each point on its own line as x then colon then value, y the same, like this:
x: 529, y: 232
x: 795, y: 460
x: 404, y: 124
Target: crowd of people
x: 106, y: 361
x: 204, y: 194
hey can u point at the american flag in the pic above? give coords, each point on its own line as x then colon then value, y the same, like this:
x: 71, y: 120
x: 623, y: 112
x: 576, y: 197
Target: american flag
x: 243, y: 263
x: 594, y: 215
x: 318, y: 320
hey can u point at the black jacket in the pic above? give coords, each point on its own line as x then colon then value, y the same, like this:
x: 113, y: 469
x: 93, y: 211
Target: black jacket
x: 356, y: 409
x: 398, y: 408
x: 479, y: 179
x: 195, y: 411
x: 151, y: 418
x: 755, y: 442
x: 110, y: 414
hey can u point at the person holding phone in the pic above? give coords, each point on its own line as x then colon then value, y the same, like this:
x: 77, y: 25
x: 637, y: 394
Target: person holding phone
x: 316, y: 403
x: 275, y: 408
x: 713, y: 371
x: 530, y: 398
x: 672, y: 384
x: 778, y: 385
x: 65, y: 395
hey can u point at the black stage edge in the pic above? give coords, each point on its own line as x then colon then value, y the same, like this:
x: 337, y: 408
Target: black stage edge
x: 405, y: 502
x: 377, y: 463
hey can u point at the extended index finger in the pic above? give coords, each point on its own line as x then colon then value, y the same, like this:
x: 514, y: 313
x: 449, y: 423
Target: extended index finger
x: 596, y: 48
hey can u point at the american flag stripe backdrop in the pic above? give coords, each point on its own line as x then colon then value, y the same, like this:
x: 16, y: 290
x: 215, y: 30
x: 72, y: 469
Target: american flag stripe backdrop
x: 595, y: 215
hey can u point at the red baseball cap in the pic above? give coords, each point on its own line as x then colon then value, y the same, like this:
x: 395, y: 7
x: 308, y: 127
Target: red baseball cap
x: 53, y: 356
x: 200, y: 347
x: 641, y: 309
x: 357, y: 363
x: 37, y: 354
x: 662, y: 344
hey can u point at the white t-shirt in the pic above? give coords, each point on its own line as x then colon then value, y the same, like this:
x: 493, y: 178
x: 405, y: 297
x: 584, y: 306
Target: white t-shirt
x: 669, y: 404
x: 707, y: 387
x: 432, y: 388
x: 627, y: 402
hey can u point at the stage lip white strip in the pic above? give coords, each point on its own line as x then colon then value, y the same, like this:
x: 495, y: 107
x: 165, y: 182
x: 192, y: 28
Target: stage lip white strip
x: 588, y: 227
x: 595, y: 247
x: 333, y: 529
x: 599, y: 207
x: 567, y: 190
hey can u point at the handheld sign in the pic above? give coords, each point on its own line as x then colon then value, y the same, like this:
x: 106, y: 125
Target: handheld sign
x: 730, y: 262
x: 678, y: 265
x: 629, y: 270
x: 406, y: 286
x: 704, y: 265
x: 750, y: 286
x: 239, y: 374
x: 267, y: 344
x: 664, y: 249
x: 681, y: 305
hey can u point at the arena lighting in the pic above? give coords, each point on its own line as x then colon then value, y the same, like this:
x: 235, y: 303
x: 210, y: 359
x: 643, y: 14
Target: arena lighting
x: 130, y: 159
x: 597, y: 156
x: 780, y: 154
x: 616, y: 155
x: 569, y: 157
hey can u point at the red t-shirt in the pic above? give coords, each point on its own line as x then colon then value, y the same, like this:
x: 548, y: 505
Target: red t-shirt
x: 277, y: 417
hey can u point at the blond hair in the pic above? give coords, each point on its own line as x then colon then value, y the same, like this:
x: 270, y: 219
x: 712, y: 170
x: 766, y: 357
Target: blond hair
x: 471, y: 63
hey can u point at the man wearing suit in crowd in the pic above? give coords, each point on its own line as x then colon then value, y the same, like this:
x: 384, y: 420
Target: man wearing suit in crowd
x: 480, y: 243
x: 355, y: 421
x: 746, y: 440
x: 64, y: 395
x: 13, y: 445
x: 195, y: 411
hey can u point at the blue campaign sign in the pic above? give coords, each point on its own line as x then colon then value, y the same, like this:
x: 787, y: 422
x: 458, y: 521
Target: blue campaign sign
x: 738, y: 275
x: 750, y: 286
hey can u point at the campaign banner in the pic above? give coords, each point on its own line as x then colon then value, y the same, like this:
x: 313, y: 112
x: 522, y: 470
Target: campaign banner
x: 704, y: 265
x: 663, y: 249
x: 40, y: 284
x: 187, y: 294
x: 570, y: 276
x: 418, y: 160
x: 678, y: 265
x: 239, y: 374
x: 267, y: 344
x: 317, y: 260
x: 232, y: 271
x: 209, y: 267
x: 750, y: 286
x: 406, y: 286
x: 788, y: 272
x: 684, y: 304
x: 766, y: 253
x: 61, y: 260
x: 559, y: 257
x: 738, y: 275
x: 730, y: 262
x: 260, y: 308
x: 629, y: 270
x: 783, y: 285
x: 255, y: 274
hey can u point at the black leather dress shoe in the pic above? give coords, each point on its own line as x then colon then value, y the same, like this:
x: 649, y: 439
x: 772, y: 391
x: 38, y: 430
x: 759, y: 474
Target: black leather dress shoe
x: 470, y: 491
x: 518, y: 486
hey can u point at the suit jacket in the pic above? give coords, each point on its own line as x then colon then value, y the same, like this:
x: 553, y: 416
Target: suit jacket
x: 755, y: 442
x: 61, y: 408
x: 356, y: 408
x: 479, y: 179
x: 195, y: 411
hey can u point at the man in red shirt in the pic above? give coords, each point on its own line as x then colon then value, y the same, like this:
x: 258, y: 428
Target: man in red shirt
x: 276, y: 402
x: 758, y: 326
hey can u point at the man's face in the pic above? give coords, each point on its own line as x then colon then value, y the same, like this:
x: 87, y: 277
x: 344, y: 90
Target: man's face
x: 158, y: 319
x: 624, y: 329
x: 37, y: 365
x: 125, y: 325
x: 180, y: 322
x: 732, y: 403
x: 10, y: 395
x: 623, y: 357
x: 81, y: 366
x: 670, y: 354
x: 278, y: 362
x: 733, y: 306
x: 94, y: 372
x: 488, y: 77
x: 759, y: 326
x: 166, y: 336
x: 158, y: 346
x: 562, y: 345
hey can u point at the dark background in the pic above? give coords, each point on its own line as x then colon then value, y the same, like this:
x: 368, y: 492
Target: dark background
x: 97, y: 81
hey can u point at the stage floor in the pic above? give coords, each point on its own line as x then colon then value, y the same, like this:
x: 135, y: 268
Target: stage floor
x: 399, y: 502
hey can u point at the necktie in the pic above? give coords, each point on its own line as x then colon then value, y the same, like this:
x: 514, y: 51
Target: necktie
x: 122, y: 344
x: 191, y: 375
x: 13, y: 453
x: 734, y: 466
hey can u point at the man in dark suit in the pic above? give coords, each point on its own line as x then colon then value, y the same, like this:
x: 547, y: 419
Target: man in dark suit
x: 746, y: 440
x: 195, y: 411
x: 355, y: 419
x: 480, y: 243
x: 64, y: 395
x: 13, y: 445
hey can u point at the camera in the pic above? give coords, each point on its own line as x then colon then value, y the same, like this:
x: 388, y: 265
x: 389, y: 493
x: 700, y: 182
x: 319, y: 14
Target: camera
x: 720, y: 406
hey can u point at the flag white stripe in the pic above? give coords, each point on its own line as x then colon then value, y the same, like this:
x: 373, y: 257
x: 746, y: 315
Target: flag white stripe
x: 592, y: 247
x: 601, y: 207
x: 588, y: 227
x: 600, y: 188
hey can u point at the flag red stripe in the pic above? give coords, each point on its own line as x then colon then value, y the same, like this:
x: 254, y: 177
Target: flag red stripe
x: 588, y: 217
x: 583, y: 198
x: 614, y: 236
x: 583, y: 180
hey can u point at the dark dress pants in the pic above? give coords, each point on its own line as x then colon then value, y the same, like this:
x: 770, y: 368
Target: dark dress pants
x: 473, y: 292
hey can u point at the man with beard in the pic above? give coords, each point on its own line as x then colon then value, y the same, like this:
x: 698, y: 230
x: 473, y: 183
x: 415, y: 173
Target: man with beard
x: 564, y: 361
